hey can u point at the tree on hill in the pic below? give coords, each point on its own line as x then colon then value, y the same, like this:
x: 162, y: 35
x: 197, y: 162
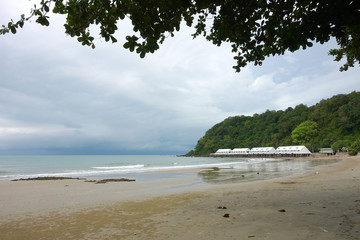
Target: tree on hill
x: 354, y: 148
x: 305, y: 132
x: 256, y: 29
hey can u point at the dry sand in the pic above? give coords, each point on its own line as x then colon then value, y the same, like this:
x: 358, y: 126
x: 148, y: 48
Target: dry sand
x: 323, y: 204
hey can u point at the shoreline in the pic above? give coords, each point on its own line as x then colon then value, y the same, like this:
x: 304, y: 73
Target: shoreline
x: 322, y: 204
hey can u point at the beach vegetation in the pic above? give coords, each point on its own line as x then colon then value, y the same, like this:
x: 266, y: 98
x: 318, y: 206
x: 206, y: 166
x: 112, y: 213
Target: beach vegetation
x: 354, y: 148
x: 332, y: 122
x: 339, y: 145
x: 254, y: 29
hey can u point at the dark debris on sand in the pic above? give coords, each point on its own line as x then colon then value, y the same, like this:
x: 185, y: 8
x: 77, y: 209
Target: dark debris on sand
x: 69, y: 178
x: 112, y: 180
x: 46, y: 179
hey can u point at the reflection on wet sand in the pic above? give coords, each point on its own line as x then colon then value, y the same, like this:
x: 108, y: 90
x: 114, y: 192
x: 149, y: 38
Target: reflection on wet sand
x: 261, y: 171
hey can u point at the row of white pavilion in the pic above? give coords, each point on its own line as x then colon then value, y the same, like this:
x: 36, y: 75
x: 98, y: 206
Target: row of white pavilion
x: 284, y: 150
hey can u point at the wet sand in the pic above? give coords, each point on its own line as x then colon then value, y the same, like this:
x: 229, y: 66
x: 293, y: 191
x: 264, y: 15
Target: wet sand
x: 320, y: 204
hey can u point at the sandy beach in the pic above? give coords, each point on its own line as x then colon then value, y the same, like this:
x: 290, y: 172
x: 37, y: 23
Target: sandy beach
x: 320, y: 204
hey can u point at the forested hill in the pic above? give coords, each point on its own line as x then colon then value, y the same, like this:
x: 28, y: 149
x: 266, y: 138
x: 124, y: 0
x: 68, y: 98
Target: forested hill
x: 334, y: 122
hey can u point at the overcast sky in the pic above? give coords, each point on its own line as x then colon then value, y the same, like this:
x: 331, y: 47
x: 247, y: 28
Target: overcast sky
x: 59, y: 97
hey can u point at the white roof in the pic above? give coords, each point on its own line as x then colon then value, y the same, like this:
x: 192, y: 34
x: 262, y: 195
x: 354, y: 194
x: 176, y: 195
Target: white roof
x: 292, y: 149
x: 262, y: 150
x: 241, y: 149
x: 265, y: 149
x: 223, y: 150
x: 271, y: 150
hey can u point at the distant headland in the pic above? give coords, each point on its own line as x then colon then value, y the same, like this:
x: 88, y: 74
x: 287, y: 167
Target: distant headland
x: 332, y: 123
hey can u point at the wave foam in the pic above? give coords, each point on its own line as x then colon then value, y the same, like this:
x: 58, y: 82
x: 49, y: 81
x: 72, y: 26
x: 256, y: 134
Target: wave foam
x: 120, y: 167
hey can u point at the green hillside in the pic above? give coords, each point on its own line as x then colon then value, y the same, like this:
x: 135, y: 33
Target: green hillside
x: 334, y: 122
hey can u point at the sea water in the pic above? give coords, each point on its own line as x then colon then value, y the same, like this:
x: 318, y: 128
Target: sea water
x: 137, y: 166
x: 98, y: 166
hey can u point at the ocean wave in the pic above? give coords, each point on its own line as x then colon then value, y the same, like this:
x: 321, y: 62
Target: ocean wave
x: 98, y: 172
x: 120, y: 167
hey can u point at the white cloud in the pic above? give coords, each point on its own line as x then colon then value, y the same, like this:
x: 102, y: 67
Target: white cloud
x: 262, y: 83
x: 17, y: 130
x: 289, y: 58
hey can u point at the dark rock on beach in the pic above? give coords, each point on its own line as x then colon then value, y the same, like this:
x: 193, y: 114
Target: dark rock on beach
x: 45, y: 179
x: 69, y: 178
x: 114, y: 180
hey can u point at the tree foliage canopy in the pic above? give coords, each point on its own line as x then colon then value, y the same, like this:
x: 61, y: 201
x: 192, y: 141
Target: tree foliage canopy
x: 304, y: 132
x: 354, y: 148
x: 255, y: 29
x: 332, y: 122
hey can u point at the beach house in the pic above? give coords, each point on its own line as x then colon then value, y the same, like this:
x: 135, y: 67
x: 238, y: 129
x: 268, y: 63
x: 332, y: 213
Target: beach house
x: 262, y: 150
x: 292, y: 150
x: 242, y: 151
x: 328, y: 151
x: 288, y: 151
x: 223, y: 151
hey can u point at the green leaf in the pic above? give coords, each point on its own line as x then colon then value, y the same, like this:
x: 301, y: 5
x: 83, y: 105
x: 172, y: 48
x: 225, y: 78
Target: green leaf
x: 114, y: 40
x: 46, y: 22
x: 13, y: 29
x: 121, y: 16
x: 126, y: 45
x: 43, y: 21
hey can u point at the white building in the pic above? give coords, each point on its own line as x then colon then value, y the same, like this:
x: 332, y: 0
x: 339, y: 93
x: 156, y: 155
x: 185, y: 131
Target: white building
x: 223, y: 151
x: 262, y: 150
x: 243, y: 151
x: 284, y: 150
x: 292, y: 150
